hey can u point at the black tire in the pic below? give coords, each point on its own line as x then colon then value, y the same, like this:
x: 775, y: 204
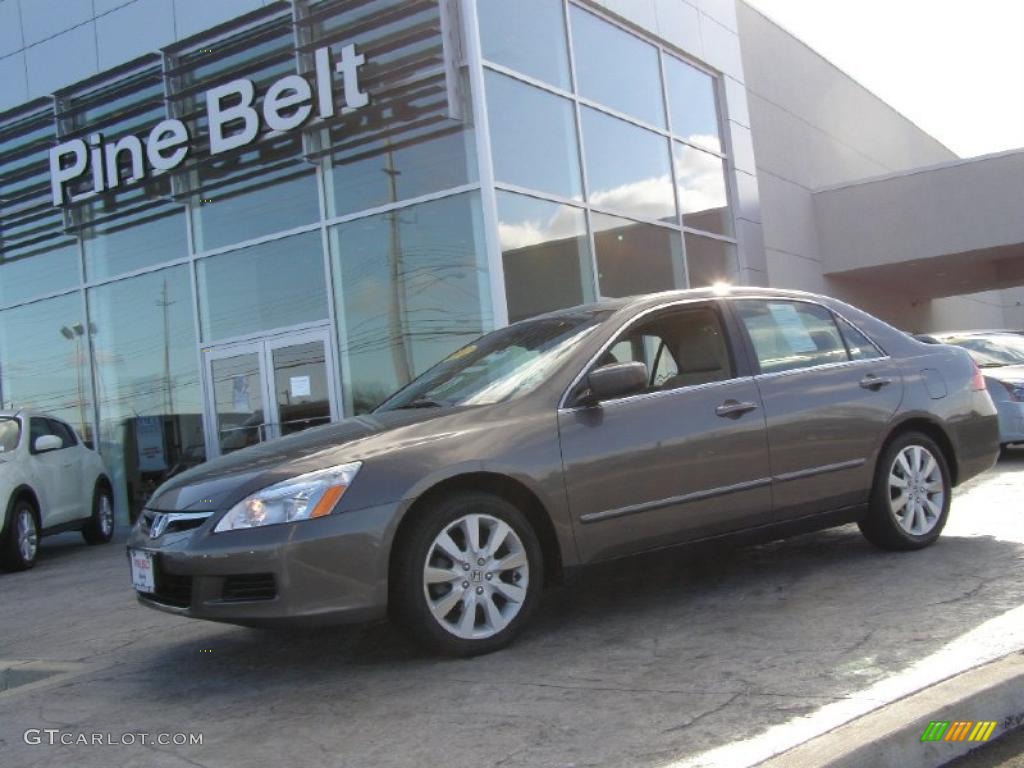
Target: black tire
x: 100, y: 528
x: 881, y: 526
x: 12, y: 558
x: 408, y: 601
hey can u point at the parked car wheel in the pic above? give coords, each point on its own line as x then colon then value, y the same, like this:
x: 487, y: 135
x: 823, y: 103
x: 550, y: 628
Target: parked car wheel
x: 468, y: 575
x: 911, y: 495
x: 21, y: 545
x: 100, y: 528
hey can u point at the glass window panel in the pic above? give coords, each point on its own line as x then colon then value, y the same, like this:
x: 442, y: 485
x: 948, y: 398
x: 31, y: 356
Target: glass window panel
x: 235, y: 207
x: 710, y: 261
x: 527, y: 36
x: 533, y: 137
x: 423, y: 162
x: 26, y: 273
x: 412, y: 287
x: 61, y: 60
x: 44, y: 360
x: 546, y: 255
x: 691, y: 103
x: 616, y: 68
x: 859, y: 345
x: 634, y: 258
x: 791, y: 334
x: 41, y: 19
x: 628, y: 168
x: 140, y: 240
x: 133, y: 30
x: 147, y: 379
x: 700, y: 180
x: 263, y: 287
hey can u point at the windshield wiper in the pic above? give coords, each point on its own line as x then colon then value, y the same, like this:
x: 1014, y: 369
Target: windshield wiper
x: 421, y: 402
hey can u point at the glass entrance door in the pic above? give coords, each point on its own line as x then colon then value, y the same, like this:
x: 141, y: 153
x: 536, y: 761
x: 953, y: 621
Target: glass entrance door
x: 263, y: 389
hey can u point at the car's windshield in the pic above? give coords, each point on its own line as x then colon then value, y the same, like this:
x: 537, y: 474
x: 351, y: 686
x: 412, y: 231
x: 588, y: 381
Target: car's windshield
x: 992, y: 351
x: 10, y: 431
x: 499, y: 366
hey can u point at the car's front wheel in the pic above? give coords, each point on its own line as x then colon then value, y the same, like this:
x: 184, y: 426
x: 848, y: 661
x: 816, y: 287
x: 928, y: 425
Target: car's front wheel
x: 467, y: 574
x: 100, y: 528
x: 911, y: 495
x: 21, y: 545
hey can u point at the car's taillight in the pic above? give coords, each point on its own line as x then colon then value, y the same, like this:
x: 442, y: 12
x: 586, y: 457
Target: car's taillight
x: 977, y: 380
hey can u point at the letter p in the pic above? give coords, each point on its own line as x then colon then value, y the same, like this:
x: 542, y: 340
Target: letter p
x: 61, y: 172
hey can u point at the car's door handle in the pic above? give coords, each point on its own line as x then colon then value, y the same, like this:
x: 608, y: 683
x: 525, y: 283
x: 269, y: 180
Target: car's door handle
x: 732, y: 408
x: 874, y: 382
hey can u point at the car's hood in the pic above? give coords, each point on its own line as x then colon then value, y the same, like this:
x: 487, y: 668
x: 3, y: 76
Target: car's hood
x: 222, y: 481
x: 1012, y: 374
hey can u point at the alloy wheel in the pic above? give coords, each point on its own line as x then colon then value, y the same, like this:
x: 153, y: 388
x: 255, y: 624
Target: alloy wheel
x: 476, y: 576
x: 917, y: 493
x: 28, y: 536
x: 106, y: 515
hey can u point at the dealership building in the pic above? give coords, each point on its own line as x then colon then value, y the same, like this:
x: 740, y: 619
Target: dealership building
x: 224, y: 221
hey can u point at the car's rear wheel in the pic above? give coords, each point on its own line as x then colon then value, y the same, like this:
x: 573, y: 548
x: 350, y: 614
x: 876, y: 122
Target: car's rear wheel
x: 467, y: 574
x: 911, y: 494
x: 21, y: 544
x: 100, y: 528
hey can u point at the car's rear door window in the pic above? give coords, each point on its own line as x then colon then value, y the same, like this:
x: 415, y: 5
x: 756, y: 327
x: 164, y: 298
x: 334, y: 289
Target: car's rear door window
x: 789, y: 335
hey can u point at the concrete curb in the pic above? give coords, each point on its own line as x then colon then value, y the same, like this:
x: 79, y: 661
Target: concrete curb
x: 890, y: 737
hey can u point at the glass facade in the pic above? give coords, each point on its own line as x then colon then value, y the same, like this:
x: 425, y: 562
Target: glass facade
x: 352, y: 252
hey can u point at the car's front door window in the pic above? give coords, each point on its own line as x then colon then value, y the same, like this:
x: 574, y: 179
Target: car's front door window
x: 681, y: 347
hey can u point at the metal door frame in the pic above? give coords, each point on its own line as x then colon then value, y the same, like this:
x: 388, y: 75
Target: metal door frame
x: 263, y: 347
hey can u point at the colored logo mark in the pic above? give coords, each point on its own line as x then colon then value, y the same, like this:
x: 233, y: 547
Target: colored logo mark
x: 958, y: 730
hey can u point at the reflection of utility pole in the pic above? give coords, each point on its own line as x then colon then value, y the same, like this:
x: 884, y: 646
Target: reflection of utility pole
x: 166, y: 305
x: 76, y: 333
x: 396, y: 309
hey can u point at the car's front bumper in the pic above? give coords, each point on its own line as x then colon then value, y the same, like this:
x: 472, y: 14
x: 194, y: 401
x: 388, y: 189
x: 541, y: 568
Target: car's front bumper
x: 325, y: 571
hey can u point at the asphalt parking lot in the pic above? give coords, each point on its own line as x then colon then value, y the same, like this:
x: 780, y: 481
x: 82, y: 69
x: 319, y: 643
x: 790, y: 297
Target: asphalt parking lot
x: 720, y: 658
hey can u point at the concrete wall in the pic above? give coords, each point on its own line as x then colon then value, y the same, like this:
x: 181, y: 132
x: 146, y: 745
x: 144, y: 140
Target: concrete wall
x: 952, y: 208
x: 814, y: 126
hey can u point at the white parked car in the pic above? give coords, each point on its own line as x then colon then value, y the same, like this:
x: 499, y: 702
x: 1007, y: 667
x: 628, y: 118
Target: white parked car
x: 50, y: 482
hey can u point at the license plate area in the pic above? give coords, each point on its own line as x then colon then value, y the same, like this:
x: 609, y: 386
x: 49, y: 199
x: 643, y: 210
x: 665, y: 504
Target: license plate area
x: 143, y: 578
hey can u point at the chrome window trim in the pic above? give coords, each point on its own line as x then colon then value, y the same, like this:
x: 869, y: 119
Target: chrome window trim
x: 562, y: 408
x: 820, y: 367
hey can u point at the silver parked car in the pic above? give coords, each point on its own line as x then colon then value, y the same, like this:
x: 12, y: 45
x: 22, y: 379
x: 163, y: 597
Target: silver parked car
x: 578, y: 436
x: 1000, y: 355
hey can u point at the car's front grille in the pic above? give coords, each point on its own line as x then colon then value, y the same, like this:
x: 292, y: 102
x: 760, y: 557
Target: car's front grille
x: 249, y: 587
x: 155, y: 524
x: 171, y: 589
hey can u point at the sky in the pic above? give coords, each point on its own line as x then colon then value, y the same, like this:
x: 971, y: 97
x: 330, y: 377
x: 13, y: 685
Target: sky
x: 954, y: 67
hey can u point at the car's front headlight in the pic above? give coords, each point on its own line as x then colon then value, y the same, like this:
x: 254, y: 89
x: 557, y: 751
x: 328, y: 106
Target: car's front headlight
x: 303, y: 497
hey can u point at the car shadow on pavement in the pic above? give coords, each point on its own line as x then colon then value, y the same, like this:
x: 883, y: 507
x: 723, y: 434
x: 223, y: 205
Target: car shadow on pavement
x: 680, y: 645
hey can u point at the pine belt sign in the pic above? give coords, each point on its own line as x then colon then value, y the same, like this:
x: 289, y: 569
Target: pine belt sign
x: 234, y: 121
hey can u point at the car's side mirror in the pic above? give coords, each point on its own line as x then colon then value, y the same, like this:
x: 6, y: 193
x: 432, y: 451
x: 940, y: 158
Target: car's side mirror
x: 617, y: 380
x: 46, y: 443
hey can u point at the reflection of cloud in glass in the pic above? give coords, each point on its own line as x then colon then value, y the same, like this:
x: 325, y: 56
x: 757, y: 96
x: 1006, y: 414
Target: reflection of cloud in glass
x: 701, y: 184
x: 650, y: 198
x: 564, y: 223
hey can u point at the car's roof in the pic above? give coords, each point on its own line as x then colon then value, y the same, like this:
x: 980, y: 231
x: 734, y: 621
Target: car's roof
x: 643, y: 301
x: 965, y: 334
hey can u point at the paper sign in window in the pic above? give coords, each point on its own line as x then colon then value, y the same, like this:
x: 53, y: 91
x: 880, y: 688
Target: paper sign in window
x: 299, y: 386
x: 788, y: 321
